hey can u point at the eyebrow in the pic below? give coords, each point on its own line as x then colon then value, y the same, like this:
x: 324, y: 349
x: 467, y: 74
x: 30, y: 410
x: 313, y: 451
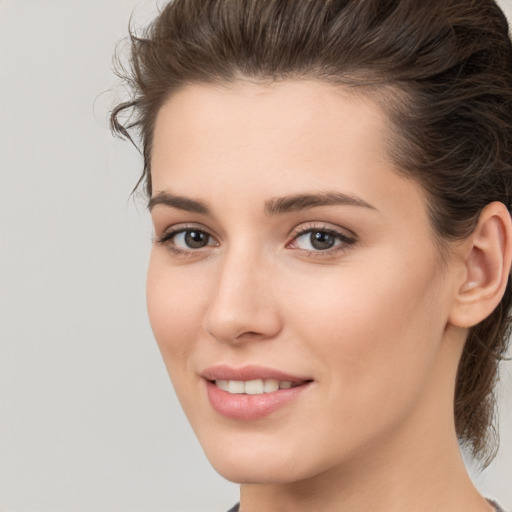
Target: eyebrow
x: 293, y: 203
x: 179, y: 202
x: 274, y: 206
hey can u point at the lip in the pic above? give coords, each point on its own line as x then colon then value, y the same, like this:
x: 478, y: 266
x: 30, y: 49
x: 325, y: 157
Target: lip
x: 244, y: 407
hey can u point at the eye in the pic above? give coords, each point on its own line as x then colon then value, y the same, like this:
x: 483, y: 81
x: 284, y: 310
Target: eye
x: 185, y: 240
x: 192, y: 239
x: 318, y: 240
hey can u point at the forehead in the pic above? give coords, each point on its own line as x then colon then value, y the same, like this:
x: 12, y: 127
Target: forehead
x: 292, y: 104
x: 258, y: 141
x: 284, y: 122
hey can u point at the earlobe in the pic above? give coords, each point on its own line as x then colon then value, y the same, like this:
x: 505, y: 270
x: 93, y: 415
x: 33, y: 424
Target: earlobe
x: 487, y: 266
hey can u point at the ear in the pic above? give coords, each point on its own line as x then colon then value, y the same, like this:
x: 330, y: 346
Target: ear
x: 487, y: 260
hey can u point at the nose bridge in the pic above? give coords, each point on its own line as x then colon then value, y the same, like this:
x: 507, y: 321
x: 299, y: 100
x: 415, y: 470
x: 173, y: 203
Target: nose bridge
x: 242, y: 302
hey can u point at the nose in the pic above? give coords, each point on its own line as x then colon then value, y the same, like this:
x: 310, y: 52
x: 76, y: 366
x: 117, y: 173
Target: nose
x: 243, y: 305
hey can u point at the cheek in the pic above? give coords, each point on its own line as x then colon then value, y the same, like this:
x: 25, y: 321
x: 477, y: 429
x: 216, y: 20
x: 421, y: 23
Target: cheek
x: 174, y: 307
x: 376, y: 332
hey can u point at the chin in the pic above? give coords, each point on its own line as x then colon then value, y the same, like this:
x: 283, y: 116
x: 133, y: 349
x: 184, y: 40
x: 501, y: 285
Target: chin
x: 256, y: 462
x: 245, y: 464
x: 258, y: 472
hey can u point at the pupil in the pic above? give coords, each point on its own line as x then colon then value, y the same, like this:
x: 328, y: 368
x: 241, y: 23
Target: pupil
x: 196, y: 239
x: 321, y: 240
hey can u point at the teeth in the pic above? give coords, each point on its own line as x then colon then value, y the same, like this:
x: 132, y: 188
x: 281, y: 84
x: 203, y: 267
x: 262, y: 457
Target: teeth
x: 222, y: 384
x: 236, y: 386
x: 254, y: 387
x: 270, y: 385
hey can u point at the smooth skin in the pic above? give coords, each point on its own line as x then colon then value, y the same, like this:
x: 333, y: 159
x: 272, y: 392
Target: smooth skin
x: 374, y: 316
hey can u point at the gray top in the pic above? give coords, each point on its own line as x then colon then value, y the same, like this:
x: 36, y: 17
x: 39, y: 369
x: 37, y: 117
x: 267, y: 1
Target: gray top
x: 236, y: 508
x: 496, y: 506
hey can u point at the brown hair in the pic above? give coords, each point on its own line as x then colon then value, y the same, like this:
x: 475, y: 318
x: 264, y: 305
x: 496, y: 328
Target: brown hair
x: 442, y: 70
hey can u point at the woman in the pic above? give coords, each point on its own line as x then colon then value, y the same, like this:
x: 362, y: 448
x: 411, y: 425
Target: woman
x: 329, y: 183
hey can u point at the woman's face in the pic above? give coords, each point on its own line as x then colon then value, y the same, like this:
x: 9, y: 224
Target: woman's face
x: 289, y: 252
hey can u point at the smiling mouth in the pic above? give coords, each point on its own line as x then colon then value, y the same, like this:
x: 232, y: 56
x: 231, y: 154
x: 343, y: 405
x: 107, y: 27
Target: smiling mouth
x: 251, y: 392
x: 255, y: 387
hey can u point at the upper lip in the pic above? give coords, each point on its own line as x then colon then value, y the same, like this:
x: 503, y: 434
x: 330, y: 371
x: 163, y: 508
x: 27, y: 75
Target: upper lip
x: 249, y: 372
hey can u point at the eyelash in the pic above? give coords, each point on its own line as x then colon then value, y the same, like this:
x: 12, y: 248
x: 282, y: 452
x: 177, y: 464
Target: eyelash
x: 345, y: 240
x: 166, y: 240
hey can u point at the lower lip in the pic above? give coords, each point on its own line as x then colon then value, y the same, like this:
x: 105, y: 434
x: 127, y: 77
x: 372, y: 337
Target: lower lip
x: 250, y: 407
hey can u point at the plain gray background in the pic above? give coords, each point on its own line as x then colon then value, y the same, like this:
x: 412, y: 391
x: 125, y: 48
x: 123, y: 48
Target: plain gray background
x: 89, y: 421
